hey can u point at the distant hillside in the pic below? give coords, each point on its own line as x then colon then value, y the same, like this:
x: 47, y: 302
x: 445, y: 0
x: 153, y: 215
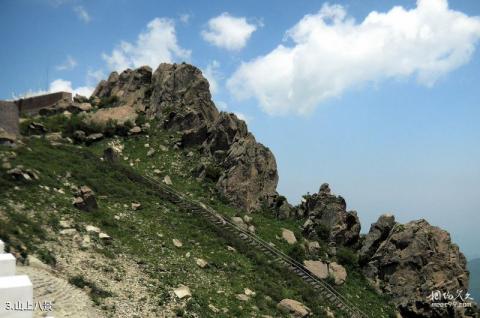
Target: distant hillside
x: 474, y: 268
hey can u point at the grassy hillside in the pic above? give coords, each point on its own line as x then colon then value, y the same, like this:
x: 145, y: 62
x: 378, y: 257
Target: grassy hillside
x: 34, y: 213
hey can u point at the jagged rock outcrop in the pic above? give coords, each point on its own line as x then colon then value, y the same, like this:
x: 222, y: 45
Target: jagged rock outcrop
x: 250, y: 173
x: 65, y: 105
x: 178, y: 95
x: 131, y: 88
x: 378, y: 233
x: 411, y: 261
x: 181, y: 97
x: 328, y: 219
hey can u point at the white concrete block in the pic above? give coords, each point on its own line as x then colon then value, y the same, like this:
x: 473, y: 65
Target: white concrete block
x: 16, y: 292
x: 2, y: 247
x: 7, y: 265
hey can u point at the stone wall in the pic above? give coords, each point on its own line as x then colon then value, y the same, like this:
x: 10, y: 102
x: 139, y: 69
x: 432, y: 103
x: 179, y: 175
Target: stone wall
x: 31, y: 105
x: 9, y: 117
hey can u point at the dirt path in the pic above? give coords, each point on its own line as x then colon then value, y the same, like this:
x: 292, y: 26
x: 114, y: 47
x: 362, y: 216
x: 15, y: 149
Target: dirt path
x: 68, y: 301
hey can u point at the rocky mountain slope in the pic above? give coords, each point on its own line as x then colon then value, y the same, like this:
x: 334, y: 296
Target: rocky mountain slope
x: 179, y: 96
x: 134, y: 253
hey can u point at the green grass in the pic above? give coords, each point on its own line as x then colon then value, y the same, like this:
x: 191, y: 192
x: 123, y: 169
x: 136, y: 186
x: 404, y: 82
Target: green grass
x: 146, y: 235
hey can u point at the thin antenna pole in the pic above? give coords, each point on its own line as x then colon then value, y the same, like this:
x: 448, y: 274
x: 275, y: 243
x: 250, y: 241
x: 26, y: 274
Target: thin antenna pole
x: 46, y: 83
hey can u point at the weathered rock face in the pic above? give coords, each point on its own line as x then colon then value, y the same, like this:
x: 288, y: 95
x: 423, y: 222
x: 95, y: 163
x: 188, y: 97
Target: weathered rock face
x: 65, y: 105
x: 181, y: 96
x: 411, y: 262
x: 378, y: 233
x: 178, y: 95
x: 250, y: 173
x: 327, y: 216
x: 131, y: 88
x: 226, y: 130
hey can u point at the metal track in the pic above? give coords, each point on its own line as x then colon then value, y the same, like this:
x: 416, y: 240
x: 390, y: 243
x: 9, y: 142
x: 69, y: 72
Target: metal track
x: 324, y: 289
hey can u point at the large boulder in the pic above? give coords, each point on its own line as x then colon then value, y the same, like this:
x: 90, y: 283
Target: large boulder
x: 131, y: 88
x: 65, y: 105
x: 226, y: 130
x: 250, y: 174
x: 294, y: 308
x: 413, y: 261
x: 181, y: 97
x: 118, y: 115
x: 328, y: 219
x: 379, y: 231
x: 323, y: 270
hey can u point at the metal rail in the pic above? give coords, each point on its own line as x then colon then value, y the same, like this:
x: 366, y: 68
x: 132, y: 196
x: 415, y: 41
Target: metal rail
x: 325, y: 289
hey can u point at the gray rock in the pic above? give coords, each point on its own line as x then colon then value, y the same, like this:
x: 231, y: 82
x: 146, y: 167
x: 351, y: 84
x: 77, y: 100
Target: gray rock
x: 379, y: 231
x: 413, y: 261
x: 194, y: 136
x: 80, y: 99
x: 294, y: 308
x: 250, y: 174
x: 19, y: 173
x: 135, y: 130
x: 111, y: 155
x: 289, y: 236
x: 55, y: 137
x: 167, y: 180
x: 150, y: 152
x: 178, y: 95
x: 85, y: 199
x: 93, y: 137
x: 79, y: 135
x: 131, y: 88
x: 238, y: 221
x: 328, y: 219
x: 35, y: 128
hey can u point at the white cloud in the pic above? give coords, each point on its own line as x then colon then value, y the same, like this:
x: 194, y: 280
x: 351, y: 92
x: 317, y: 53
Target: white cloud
x: 66, y: 86
x: 185, y: 18
x: 82, y: 14
x: 69, y: 64
x: 155, y: 45
x: 212, y: 74
x: 331, y: 53
x: 58, y: 85
x: 221, y: 105
x: 228, y: 32
x: 93, y: 77
x: 243, y: 117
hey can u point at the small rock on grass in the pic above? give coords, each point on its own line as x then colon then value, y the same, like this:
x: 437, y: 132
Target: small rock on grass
x: 242, y: 297
x: 177, y: 243
x: 167, y: 180
x: 182, y: 291
x: 201, y: 263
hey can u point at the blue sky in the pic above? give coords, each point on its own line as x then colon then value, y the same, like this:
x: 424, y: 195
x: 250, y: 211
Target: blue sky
x: 384, y: 108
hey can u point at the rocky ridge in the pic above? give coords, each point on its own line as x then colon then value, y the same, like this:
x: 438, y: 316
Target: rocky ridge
x: 410, y: 262
x: 179, y: 96
x: 405, y: 261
